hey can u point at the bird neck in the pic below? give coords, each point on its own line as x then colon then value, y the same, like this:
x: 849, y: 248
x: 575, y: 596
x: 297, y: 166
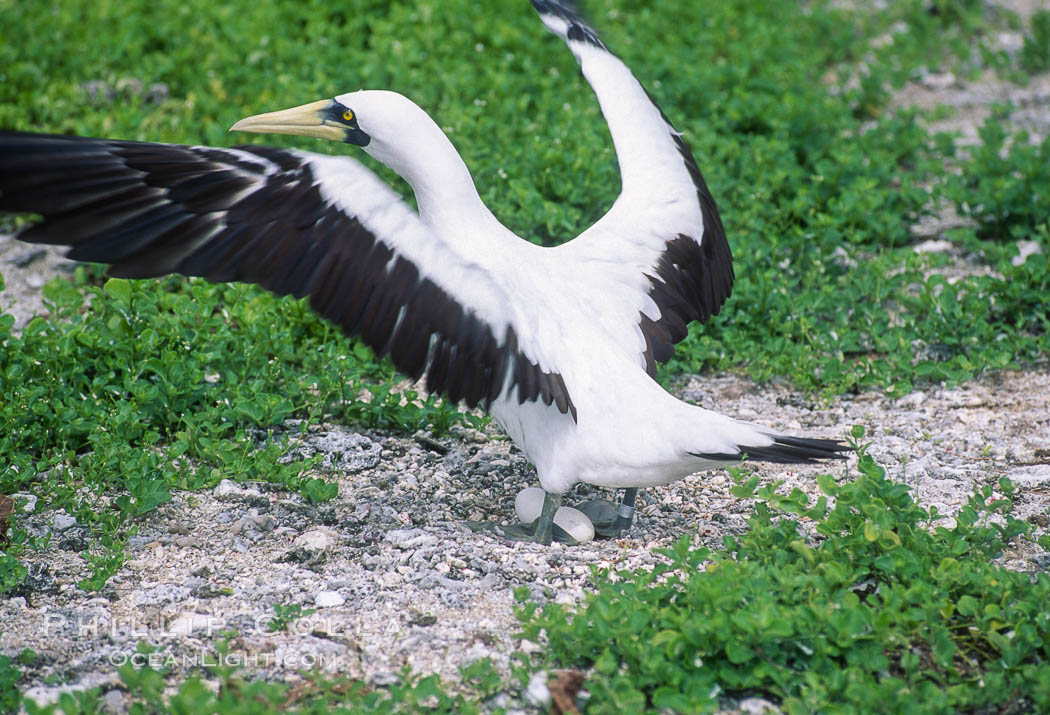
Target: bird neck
x: 447, y: 199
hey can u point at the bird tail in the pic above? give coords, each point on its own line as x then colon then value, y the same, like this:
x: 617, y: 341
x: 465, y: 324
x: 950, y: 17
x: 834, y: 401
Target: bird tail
x: 783, y: 450
x: 723, y: 439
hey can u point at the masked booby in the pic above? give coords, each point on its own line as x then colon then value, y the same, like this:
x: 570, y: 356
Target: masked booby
x: 559, y: 344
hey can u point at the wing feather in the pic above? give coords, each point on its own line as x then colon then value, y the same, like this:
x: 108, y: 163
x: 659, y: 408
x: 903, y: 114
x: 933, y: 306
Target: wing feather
x: 295, y: 223
x: 665, y: 224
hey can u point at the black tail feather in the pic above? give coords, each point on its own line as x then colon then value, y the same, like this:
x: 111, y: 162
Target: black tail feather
x: 784, y: 450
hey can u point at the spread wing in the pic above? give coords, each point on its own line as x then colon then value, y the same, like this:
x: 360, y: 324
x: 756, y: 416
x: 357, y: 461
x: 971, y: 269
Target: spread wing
x: 662, y: 243
x: 295, y: 223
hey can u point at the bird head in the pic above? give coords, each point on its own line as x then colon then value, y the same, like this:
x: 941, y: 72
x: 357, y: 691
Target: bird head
x: 388, y: 125
x: 355, y: 118
x: 327, y: 119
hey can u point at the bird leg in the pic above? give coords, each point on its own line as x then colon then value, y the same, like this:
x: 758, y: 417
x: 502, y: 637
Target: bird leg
x: 541, y: 531
x: 625, y: 512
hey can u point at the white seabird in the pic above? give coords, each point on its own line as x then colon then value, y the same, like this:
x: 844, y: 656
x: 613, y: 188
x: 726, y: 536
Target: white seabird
x: 559, y: 344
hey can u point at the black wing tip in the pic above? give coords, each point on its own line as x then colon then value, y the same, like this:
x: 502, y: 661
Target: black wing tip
x: 578, y: 30
x: 565, y: 9
x: 784, y: 450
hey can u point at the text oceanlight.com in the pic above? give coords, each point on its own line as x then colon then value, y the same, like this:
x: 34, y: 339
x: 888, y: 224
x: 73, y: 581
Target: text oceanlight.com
x: 203, y: 659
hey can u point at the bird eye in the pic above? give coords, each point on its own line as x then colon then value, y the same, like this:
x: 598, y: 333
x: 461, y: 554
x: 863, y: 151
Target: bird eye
x: 348, y: 115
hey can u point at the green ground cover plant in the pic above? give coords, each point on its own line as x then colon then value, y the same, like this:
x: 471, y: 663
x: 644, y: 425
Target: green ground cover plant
x: 1004, y: 184
x: 1035, y: 53
x: 872, y: 604
x: 183, y: 383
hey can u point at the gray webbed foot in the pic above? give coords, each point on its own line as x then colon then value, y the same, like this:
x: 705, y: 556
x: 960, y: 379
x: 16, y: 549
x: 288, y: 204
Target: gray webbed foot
x: 522, y: 532
x: 541, y: 531
x: 610, y: 520
x: 602, y: 514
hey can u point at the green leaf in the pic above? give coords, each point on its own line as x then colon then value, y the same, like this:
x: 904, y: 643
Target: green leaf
x: 745, y: 490
x: 827, y: 484
x: 738, y: 653
x: 968, y: 606
x: 118, y: 288
x: 871, y: 531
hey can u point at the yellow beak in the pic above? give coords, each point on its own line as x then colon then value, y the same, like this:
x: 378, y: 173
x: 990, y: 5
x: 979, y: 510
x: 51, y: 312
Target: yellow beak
x: 307, y: 120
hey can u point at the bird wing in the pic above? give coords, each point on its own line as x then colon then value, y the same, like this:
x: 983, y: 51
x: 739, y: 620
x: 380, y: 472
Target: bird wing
x: 662, y: 243
x: 295, y: 223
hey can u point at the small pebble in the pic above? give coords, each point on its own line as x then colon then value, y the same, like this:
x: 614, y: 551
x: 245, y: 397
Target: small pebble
x: 385, y: 677
x: 113, y: 703
x: 1024, y: 250
x: 328, y: 599
x: 30, y: 501
x: 29, y: 257
x: 410, y: 538
x: 316, y: 539
x: 758, y: 706
x: 537, y: 693
x: 188, y: 623
x: 62, y: 521
x: 226, y: 488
